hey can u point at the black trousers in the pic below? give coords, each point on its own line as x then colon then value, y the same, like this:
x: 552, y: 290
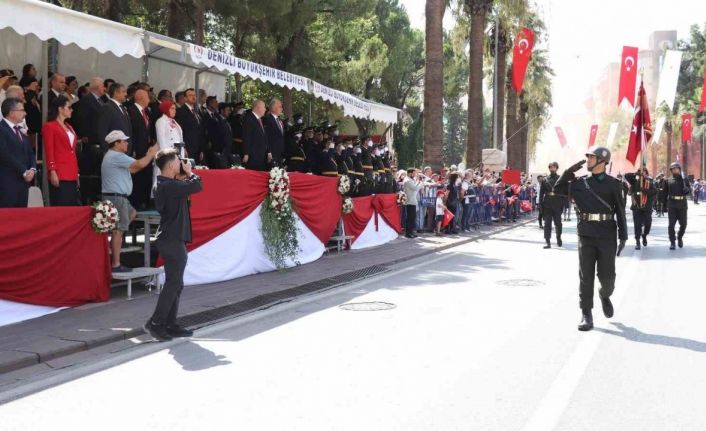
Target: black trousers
x: 410, y: 220
x: 174, y: 255
x: 642, y: 219
x: 676, y: 214
x: 596, y: 254
x: 66, y: 195
x: 540, y: 215
x: 552, y: 214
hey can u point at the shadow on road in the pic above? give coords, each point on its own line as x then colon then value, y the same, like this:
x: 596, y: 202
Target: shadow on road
x: 193, y: 357
x: 636, y: 335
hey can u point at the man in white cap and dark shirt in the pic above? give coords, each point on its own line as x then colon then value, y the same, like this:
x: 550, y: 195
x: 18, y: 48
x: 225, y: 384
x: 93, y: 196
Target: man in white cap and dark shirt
x: 117, y: 186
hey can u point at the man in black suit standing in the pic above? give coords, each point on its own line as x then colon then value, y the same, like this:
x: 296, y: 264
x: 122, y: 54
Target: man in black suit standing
x: 274, y: 127
x: 192, y: 126
x: 113, y: 116
x: 17, y: 161
x: 220, y: 134
x: 85, y: 119
x: 141, y: 141
x: 257, y: 155
x: 57, y: 86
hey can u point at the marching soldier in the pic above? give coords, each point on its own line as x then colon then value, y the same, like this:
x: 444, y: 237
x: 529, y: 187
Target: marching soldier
x: 677, y: 188
x: 552, y: 198
x: 601, y: 211
x: 643, y: 193
x: 660, y: 184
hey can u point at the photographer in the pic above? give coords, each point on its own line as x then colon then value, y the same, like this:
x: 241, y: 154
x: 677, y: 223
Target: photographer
x: 171, y: 195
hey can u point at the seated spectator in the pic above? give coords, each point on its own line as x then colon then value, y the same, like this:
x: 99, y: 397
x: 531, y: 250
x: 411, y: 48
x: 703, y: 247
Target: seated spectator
x: 60, y: 146
x: 117, y: 186
x: 18, y: 164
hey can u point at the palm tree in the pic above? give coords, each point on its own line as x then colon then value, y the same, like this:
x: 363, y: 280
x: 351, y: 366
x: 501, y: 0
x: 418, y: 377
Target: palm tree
x: 511, y: 123
x: 478, y: 11
x: 434, y: 84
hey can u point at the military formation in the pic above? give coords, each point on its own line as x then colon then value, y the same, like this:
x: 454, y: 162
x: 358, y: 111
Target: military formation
x: 599, y: 201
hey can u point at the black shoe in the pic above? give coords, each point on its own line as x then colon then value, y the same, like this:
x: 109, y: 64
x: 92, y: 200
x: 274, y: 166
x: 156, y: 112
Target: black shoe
x: 680, y: 243
x: 548, y: 246
x: 408, y: 236
x: 671, y: 246
x: 644, y: 240
x: 586, y: 323
x: 637, y: 245
x: 177, y: 331
x: 121, y: 268
x: 558, y: 242
x: 414, y: 235
x: 607, y: 307
x: 158, y: 332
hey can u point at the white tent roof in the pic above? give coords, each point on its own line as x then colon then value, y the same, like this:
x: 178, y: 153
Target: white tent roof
x: 47, y: 21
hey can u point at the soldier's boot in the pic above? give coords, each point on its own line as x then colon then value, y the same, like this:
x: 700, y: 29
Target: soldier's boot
x: 680, y: 242
x: 637, y: 243
x: 548, y: 244
x: 644, y: 240
x: 558, y: 241
x: 672, y: 246
x: 607, y: 307
x: 586, y: 323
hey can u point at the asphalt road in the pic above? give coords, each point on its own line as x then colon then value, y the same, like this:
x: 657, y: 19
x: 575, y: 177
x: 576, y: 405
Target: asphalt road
x: 481, y: 337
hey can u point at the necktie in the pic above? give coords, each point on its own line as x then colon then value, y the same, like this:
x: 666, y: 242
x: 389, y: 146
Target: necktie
x: 123, y: 110
x: 259, y: 120
x: 279, y: 123
x: 146, y: 118
x: 18, y: 133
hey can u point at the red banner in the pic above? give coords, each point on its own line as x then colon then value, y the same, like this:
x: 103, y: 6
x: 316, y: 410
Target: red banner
x: 562, y: 137
x: 521, y: 54
x: 641, y: 131
x: 628, y: 75
x: 592, y: 136
x: 686, y: 120
x: 511, y: 176
x: 703, y: 93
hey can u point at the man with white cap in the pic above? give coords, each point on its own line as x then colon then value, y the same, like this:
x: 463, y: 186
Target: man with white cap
x: 117, y: 186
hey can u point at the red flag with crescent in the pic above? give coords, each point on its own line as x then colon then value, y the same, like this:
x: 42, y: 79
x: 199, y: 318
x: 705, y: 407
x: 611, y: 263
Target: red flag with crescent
x: 562, y: 137
x: 592, y: 137
x: 628, y: 75
x: 521, y: 54
x: 686, y: 120
x: 703, y: 93
x: 641, y: 131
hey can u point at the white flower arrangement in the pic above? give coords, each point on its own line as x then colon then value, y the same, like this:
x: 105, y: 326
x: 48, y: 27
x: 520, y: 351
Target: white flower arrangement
x: 105, y: 217
x: 278, y: 224
x: 344, y: 185
x: 401, y: 198
x: 347, y: 205
x: 279, y: 190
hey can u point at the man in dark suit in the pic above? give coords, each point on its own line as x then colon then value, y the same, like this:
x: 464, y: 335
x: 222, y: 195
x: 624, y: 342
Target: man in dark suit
x: 141, y: 141
x: 113, y: 116
x: 17, y: 161
x: 85, y: 119
x: 192, y: 126
x: 107, y: 83
x: 257, y: 155
x: 236, y: 125
x: 274, y: 127
x: 220, y: 135
x: 57, y: 86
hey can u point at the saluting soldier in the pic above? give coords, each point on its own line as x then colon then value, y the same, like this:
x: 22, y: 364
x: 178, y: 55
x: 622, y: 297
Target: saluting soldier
x: 295, y: 156
x: 389, y: 182
x: 643, y: 193
x: 677, y: 189
x: 552, y: 198
x: 358, y: 183
x: 379, y: 169
x: 601, y: 211
x: 340, y: 161
x: 366, y: 159
x: 327, y: 164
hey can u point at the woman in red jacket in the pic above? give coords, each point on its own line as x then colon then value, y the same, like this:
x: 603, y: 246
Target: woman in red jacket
x: 60, y: 143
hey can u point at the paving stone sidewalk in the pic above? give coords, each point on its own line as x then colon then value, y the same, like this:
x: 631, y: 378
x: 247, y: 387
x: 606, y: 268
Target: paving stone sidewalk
x: 44, y: 343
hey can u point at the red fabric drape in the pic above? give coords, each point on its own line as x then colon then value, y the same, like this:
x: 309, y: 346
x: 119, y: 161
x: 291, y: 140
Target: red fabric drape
x: 364, y: 208
x: 51, y: 256
x: 386, y: 206
x: 317, y: 202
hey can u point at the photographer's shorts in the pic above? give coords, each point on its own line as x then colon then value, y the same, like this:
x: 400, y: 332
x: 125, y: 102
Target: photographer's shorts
x: 124, y: 209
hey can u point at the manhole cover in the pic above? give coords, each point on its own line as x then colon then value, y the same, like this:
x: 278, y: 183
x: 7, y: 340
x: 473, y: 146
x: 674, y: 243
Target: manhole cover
x: 520, y: 282
x: 367, y: 306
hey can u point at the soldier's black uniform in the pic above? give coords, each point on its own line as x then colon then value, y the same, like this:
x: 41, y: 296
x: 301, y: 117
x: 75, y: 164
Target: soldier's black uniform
x: 358, y: 183
x: 379, y: 169
x: 341, y: 164
x: 643, y: 194
x: 366, y: 160
x: 661, y: 185
x: 676, y: 190
x: 295, y: 157
x: 327, y: 164
x: 552, y: 198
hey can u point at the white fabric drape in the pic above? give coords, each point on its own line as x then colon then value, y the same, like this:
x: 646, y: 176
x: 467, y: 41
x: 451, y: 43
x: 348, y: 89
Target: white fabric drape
x: 371, y: 237
x: 13, y: 312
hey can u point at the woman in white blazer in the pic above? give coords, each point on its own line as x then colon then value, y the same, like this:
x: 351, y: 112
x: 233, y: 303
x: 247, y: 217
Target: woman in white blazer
x: 168, y: 131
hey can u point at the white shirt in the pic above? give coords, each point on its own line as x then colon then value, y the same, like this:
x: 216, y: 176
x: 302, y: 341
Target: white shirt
x: 71, y: 136
x: 120, y: 105
x: 439, y: 206
x: 168, y: 132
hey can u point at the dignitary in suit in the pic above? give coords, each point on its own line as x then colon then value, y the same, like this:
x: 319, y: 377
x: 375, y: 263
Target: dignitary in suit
x: 113, y: 115
x: 192, y: 126
x: 141, y: 140
x: 220, y: 135
x: 57, y: 86
x: 256, y: 152
x: 60, y: 146
x: 17, y: 161
x: 84, y: 121
x: 274, y: 127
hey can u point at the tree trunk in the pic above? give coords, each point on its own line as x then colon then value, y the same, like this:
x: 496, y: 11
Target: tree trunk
x: 287, y: 101
x: 500, y: 103
x: 668, y: 130
x: 199, y: 18
x: 479, y: 11
x: 523, y: 135
x: 514, y: 156
x: 173, y: 22
x: 653, y: 160
x: 434, y: 84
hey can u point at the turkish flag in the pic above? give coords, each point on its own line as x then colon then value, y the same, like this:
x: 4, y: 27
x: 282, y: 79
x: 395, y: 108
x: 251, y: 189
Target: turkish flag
x: 703, y: 94
x: 511, y: 176
x: 521, y: 54
x: 686, y: 128
x: 592, y: 137
x: 562, y: 137
x: 641, y: 131
x: 628, y: 75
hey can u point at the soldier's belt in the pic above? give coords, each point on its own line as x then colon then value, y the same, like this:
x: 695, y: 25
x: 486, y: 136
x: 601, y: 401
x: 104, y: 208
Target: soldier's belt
x: 595, y: 217
x: 678, y: 198
x: 387, y: 169
x: 556, y: 194
x: 330, y: 173
x: 367, y: 166
x: 297, y: 158
x: 358, y: 173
